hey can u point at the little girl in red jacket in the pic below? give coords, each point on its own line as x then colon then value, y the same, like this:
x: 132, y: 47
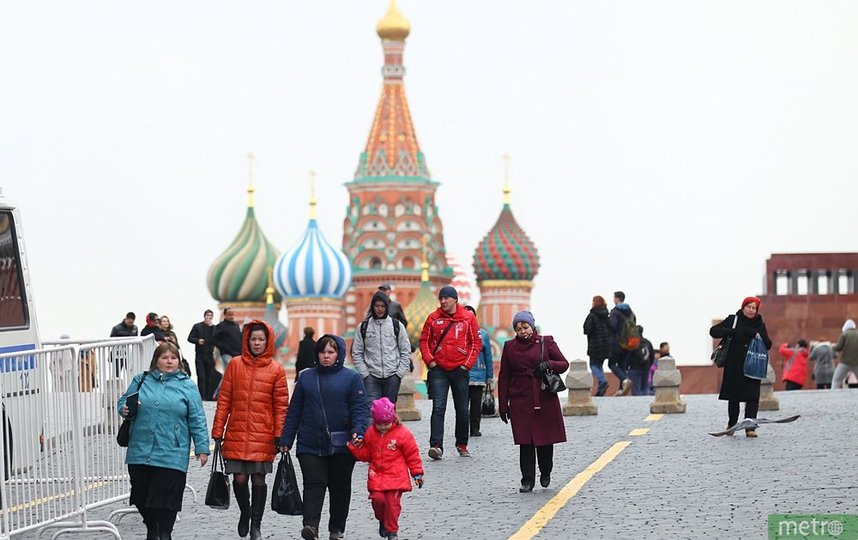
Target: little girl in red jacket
x: 394, y: 460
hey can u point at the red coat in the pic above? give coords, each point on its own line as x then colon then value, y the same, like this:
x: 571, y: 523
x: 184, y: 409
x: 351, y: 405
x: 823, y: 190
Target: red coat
x: 534, y: 413
x: 252, y: 403
x: 797, y: 372
x: 461, y: 344
x: 393, y: 458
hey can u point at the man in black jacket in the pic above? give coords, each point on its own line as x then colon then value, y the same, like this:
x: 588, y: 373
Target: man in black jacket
x: 394, y: 309
x: 126, y: 328
x: 620, y: 319
x: 227, y: 338
x: 201, y: 337
x: 306, y: 352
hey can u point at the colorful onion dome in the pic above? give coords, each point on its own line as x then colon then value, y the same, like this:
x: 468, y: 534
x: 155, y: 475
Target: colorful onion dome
x: 463, y: 282
x: 239, y: 273
x: 313, y: 268
x: 393, y: 26
x: 423, y: 304
x: 506, y: 252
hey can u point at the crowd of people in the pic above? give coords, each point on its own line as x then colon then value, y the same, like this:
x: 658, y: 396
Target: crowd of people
x: 337, y: 416
x: 616, y: 336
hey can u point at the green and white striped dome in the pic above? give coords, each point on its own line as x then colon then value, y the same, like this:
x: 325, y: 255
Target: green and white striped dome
x: 240, y: 273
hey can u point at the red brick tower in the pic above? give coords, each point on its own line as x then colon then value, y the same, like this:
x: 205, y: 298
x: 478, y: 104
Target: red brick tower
x: 392, y: 195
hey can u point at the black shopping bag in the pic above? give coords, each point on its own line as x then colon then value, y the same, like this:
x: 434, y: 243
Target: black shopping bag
x: 286, y: 498
x: 217, y: 494
x: 488, y: 405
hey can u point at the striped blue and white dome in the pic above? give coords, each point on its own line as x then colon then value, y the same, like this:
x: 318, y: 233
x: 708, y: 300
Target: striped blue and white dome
x: 313, y: 268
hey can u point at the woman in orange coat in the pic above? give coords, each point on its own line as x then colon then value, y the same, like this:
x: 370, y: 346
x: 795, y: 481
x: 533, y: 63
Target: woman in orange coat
x: 252, y: 407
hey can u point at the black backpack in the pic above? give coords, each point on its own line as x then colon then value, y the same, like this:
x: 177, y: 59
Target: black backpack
x: 642, y: 356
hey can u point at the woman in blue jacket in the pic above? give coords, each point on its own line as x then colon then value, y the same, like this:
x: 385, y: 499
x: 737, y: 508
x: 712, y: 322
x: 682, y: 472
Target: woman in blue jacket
x: 329, y: 407
x: 169, y: 413
x: 481, y: 379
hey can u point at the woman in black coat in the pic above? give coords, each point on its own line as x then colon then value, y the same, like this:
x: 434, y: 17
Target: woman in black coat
x: 598, y: 341
x: 735, y: 387
x: 306, y: 352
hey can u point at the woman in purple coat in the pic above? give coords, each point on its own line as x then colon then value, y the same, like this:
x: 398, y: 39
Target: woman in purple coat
x: 537, y: 421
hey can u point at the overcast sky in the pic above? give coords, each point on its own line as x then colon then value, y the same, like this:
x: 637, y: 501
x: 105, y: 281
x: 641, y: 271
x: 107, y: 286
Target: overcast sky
x: 663, y: 148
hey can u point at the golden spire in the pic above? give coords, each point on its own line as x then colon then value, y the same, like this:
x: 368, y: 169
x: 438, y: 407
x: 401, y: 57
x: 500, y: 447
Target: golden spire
x: 506, y: 189
x: 250, y: 190
x: 269, y: 291
x: 312, y: 194
x: 393, y: 26
x: 424, y: 265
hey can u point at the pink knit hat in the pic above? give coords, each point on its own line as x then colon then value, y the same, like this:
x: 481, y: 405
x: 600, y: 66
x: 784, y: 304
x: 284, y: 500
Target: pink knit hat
x: 383, y: 411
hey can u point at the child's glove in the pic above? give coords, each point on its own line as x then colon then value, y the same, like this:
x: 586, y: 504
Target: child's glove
x: 418, y: 481
x: 357, y: 441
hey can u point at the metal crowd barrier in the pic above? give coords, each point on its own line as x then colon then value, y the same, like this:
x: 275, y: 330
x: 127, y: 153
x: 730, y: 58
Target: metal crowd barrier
x: 59, y: 457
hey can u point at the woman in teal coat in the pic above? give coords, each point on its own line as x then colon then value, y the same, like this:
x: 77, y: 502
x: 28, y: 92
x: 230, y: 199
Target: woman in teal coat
x: 169, y: 413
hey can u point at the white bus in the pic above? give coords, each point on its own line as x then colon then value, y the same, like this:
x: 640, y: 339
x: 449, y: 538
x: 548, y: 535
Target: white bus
x: 18, y: 333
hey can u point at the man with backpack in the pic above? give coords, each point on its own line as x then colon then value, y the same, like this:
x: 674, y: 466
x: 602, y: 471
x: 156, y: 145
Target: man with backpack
x: 642, y: 359
x: 626, y: 341
x: 381, y: 351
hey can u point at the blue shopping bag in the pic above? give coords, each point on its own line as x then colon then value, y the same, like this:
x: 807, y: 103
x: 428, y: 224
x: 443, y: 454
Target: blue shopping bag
x: 756, y: 360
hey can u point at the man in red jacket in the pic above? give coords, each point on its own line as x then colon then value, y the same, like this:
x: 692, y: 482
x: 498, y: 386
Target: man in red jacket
x: 449, y: 345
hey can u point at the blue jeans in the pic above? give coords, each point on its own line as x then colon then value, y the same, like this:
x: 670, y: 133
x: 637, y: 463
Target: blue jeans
x: 225, y: 358
x: 596, y: 368
x: 440, y: 381
x: 619, y: 363
x: 377, y: 387
x: 640, y: 381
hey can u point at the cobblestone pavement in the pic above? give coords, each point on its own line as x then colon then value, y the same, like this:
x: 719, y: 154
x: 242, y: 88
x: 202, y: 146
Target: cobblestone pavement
x: 674, y: 481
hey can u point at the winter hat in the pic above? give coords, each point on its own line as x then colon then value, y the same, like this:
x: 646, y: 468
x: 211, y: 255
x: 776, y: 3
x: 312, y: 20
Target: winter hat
x: 448, y: 292
x: 751, y: 300
x: 383, y: 411
x: 848, y: 325
x: 523, y: 316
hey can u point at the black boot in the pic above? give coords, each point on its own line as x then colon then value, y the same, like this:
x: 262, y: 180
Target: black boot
x: 165, y: 536
x: 242, y: 496
x: 152, y: 531
x: 257, y: 507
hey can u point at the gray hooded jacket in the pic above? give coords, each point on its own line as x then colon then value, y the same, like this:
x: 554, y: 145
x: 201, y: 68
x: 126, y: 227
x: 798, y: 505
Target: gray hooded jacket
x: 380, y: 355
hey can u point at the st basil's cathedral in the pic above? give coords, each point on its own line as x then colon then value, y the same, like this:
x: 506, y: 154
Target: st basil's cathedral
x: 392, y: 233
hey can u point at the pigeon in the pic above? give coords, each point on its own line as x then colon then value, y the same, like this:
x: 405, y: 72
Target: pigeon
x: 754, y: 423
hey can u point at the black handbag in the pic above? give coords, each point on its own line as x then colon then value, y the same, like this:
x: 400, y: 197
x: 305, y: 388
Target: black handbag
x: 551, y: 382
x: 217, y: 493
x: 488, y: 407
x: 286, y: 497
x: 719, y: 355
x: 123, y: 434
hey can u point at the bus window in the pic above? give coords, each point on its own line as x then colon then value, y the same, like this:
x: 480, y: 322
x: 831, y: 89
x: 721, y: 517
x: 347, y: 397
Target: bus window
x: 13, y: 302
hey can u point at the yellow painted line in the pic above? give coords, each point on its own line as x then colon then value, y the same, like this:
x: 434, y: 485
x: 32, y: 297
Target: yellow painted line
x: 547, y: 512
x: 638, y: 432
x: 653, y: 417
x: 45, y: 500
